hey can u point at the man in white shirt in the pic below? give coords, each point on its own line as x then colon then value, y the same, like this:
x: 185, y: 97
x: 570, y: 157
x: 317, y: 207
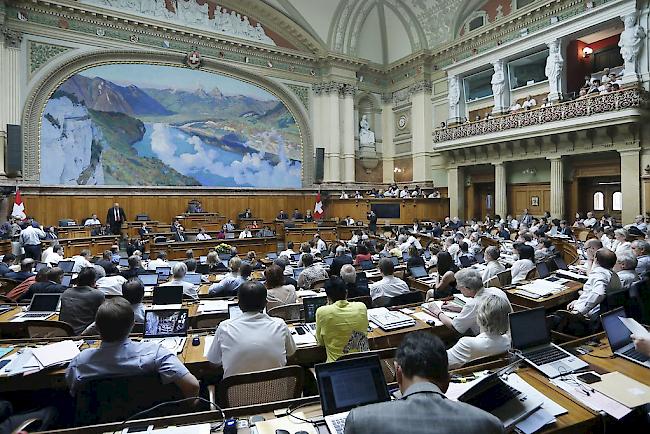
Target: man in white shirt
x: 590, y: 247
x: 470, y: 284
x: 160, y: 261
x: 515, y: 107
x: 320, y: 244
x: 590, y: 221
x: 245, y: 233
x: 529, y: 103
x: 641, y: 249
x: 202, y: 235
x: 289, y: 250
x: 640, y: 224
x: 254, y: 341
x: 53, y: 254
x: 344, y: 195
x: 625, y: 268
x: 512, y: 223
x: 109, y: 285
x: 492, y: 266
x: 404, y: 193
x: 389, y: 286
x: 92, y: 221
x: 81, y: 261
x: 600, y: 280
x: 178, y: 274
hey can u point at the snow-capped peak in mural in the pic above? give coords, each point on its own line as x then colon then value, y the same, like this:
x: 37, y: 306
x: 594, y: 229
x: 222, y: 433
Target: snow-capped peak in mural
x: 126, y: 124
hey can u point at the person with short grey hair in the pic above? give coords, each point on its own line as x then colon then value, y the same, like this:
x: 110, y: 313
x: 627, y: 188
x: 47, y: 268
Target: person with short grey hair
x: 492, y: 264
x: 470, y: 284
x: 641, y: 249
x: 179, y: 270
x: 625, y: 266
x: 492, y: 319
x: 339, y: 261
x: 355, y: 288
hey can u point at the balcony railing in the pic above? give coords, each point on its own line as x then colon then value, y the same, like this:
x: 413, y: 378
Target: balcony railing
x: 613, y: 101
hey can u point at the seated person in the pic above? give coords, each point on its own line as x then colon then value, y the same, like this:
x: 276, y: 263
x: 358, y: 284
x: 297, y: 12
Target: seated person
x: 245, y: 233
x: 355, y: 289
x: 544, y: 250
x: 251, y: 258
x: 625, y: 268
x: 312, y: 272
x: 362, y: 254
x: 494, y: 337
x: 641, y: 250
x: 522, y: 266
x: 92, y: 221
x: 339, y: 261
x: 79, y: 303
x: 82, y: 260
x: 7, y: 261
x: 10, y: 421
x: 118, y: 356
x: 342, y: 326
x: 229, y: 227
x: 26, y: 271
x: 470, y: 285
x: 51, y: 284
x: 287, y: 271
x: 415, y: 260
x: 246, y: 214
x: 203, y: 235
x: 229, y: 285
x: 265, y: 232
x: 308, y: 216
x: 179, y: 270
x: 446, y: 285
x: 289, y: 251
x: 107, y: 263
x: 133, y: 292
x: 160, y: 261
x: 108, y: 284
x: 421, y: 370
x: 529, y: 103
x: 492, y: 264
x: 389, y: 286
x: 282, y: 215
x: 254, y: 341
x: 22, y: 289
x: 214, y: 263
x: 297, y: 215
x: 191, y: 265
x: 277, y: 292
x: 135, y: 268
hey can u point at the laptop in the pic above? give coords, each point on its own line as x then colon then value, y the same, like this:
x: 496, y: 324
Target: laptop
x: 193, y: 278
x: 310, y: 306
x: 619, y: 339
x: 328, y: 261
x: 203, y: 259
x: 560, y: 264
x: 39, y: 266
x: 167, y: 327
x: 66, y: 266
x: 148, y: 279
x: 42, y: 307
x: 297, y: 271
x: 225, y: 257
x: 168, y: 297
x: 418, y: 272
x: 163, y: 272
x: 531, y: 336
x: 466, y: 261
x: 296, y: 256
x: 427, y: 254
x: 495, y: 396
x: 66, y: 280
x: 362, y: 283
x: 346, y: 384
x: 366, y: 265
x: 234, y: 311
x: 542, y: 270
x: 272, y: 256
x: 124, y: 262
x: 230, y: 236
x: 405, y: 256
x: 480, y: 257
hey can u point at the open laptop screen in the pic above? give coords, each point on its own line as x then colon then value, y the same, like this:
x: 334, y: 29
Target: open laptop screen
x: 328, y: 260
x: 66, y: 279
x: 347, y: 384
x: 617, y: 334
x: 165, y: 323
x: 542, y: 270
x: 395, y: 260
x: 148, y: 279
x: 311, y: 305
x: 528, y: 328
x: 163, y: 272
x: 167, y: 295
x: 193, y: 278
x: 39, y: 266
x: 560, y: 264
x: 366, y: 265
x: 66, y: 266
x: 418, y: 272
x: 44, y: 302
x: 124, y: 262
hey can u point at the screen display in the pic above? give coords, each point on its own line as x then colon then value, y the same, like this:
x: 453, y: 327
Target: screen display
x: 148, y: 279
x: 67, y: 278
x: 311, y: 305
x: 168, y: 295
x: 124, y: 262
x: 386, y: 210
x: 161, y: 323
x: 418, y: 272
x: 193, y: 278
x: 617, y: 334
x: 66, y: 266
x: 44, y: 302
x: 528, y: 328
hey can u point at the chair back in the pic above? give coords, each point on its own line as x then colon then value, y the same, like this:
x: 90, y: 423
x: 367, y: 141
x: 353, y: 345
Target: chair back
x: 288, y: 312
x: 365, y: 299
x: 493, y: 282
x: 260, y: 387
x: 615, y: 299
x: 408, y: 298
x: 532, y: 274
x: 382, y: 301
x: 7, y: 285
x: 640, y: 302
x: 318, y: 284
x: 505, y: 277
x: 48, y: 329
x: 115, y: 399
x: 13, y: 330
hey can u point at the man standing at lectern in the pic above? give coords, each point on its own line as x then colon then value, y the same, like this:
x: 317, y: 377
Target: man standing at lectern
x: 115, y: 217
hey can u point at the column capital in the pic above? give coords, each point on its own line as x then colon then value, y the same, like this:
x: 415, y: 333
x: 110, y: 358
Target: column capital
x: 327, y: 88
x: 421, y: 86
x: 498, y: 163
x: 554, y: 157
x: 631, y: 151
x: 348, y: 90
x: 12, y: 38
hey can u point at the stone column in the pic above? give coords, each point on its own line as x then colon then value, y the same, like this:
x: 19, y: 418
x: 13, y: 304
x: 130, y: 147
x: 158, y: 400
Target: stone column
x: 555, y: 70
x: 500, y: 191
x: 347, y: 132
x: 10, y: 85
x: 317, y: 118
x: 388, y: 133
x: 330, y: 131
x: 456, y: 191
x: 500, y: 88
x: 630, y: 184
x: 557, y: 187
x: 421, y: 126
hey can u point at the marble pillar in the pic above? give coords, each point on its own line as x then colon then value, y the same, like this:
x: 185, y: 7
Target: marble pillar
x: 557, y: 187
x: 500, y: 191
x: 630, y: 184
x: 347, y: 133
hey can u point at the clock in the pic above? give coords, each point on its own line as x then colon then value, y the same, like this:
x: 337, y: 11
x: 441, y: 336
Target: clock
x: 401, y: 122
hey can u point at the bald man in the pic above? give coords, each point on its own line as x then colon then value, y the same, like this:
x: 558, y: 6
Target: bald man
x: 115, y: 217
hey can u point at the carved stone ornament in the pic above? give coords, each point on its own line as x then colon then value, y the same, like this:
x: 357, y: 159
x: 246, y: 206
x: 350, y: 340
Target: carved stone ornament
x: 12, y: 38
x: 193, y: 59
x: 421, y: 86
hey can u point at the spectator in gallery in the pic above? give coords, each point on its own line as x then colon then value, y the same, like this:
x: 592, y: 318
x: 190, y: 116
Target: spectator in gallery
x: 443, y: 125
x: 435, y: 194
x: 144, y: 229
x: 514, y: 108
x: 297, y: 215
x: 358, y: 195
x: 265, y: 232
x: 282, y: 215
x: 229, y: 227
x: 308, y: 216
x: 254, y: 225
x: 529, y: 103
x: 245, y: 233
x: 344, y: 195
x: 404, y: 193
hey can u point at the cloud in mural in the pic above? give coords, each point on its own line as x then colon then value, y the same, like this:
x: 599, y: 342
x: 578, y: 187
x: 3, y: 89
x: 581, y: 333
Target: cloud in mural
x: 150, y: 128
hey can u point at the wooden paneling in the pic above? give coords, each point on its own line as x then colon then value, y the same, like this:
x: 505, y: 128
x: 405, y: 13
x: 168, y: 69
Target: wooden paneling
x: 421, y: 209
x: 520, y: 197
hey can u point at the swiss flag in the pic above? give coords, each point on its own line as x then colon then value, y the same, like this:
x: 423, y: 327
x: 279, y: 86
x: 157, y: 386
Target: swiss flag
x: 318, y: 208
x: 19, y: 207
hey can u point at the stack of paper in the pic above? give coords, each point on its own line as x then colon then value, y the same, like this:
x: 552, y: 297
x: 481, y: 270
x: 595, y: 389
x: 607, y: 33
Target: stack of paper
x: 636, y: 328
x: 594, y: 400
x: 571, y: 275
x: 389, y: 320
x: 441, y: 304
x: 213, y: 306
x: 306, y: 339
x: 301, y: 293
x: 31, y: 360
x: 542, y: 287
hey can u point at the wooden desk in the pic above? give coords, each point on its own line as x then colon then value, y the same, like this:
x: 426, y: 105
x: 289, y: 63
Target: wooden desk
x: 96, y: 245
x: 176, y: 250
x: 552, y: 302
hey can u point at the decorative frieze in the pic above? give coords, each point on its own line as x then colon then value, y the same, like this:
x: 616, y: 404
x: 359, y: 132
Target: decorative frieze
x: 12, y: 38
x: 302, y: 92
x: 41, y: 53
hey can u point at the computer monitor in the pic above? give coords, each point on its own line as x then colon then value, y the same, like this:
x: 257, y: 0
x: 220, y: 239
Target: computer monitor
x: 66, y: 266
x: 165, y: 323
x: 296, y: 256
x: 167, y: 295
x: 39, y: 266
x: 310, y: 306
x: 560, y: 264
x: 480, y: 257
x: 124, y: 262
x: 234, y: 311
x: 528, y: 328
x: 203, y: 259
x: 366, y: 265
x: 617, y: 333
x: 346, y: 384
x: 66, y: 280
x: 405, y: 256
x: 193, y: 278
x: 148, y: 279
x: 418, y: 272
x: 297, y: 271
x: 44, y: 302
x: 465, y: 261
x: 225, y: 256
x: 427, y: 254
x: 542, y: 270
x: 141, y: 217
x: 230, y: 236
x: 163, y: 272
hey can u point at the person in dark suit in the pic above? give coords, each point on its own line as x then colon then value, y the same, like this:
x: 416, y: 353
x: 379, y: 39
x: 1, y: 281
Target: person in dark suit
x: 7, y: 261
x: 115, y: 217
x: 179, y: 236
x: 107, y: 263
x: 50, y: 285
x: 26, y: 271
x: 135, y: 268
x: 144, y: 230
x: 282, y: 215
x: 339, y: 260
x: 356, y: 287
x: 372, y: 222
x: 423, y: 377
x: 565, y: 229
x: 297, y: 215
x: 246, y: 214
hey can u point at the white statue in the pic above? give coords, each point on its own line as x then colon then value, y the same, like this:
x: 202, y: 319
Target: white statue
x: 190, y: 12
x: 366, y: 136
x: 498, y: 79
x: 630, y: 43
x: 453, y: 95
x: 553, y: 70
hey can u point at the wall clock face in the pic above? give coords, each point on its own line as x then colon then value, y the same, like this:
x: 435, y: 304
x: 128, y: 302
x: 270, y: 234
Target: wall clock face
x: 401, y: 123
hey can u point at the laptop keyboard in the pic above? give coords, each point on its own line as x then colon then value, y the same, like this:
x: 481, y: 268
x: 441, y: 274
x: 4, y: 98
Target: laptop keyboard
x: 634, y: 354
x: 35, y: 314
x: 338, y: 424
x: 495, y: 398
x: 546, y: 355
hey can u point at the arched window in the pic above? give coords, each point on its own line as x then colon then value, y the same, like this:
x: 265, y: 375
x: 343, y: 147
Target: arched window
x: 599, y: 201
x: 617, y: 201
x: 476, y: 23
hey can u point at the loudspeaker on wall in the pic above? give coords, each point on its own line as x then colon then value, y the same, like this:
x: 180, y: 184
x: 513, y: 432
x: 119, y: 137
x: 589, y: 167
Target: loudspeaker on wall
x: 14, y: 156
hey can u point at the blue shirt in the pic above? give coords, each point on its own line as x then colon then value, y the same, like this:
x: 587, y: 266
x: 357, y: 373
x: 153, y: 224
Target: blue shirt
x: 124, y: 358
x: 227, y: 287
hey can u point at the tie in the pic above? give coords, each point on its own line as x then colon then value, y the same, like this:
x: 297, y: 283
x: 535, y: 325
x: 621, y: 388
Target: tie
x: 117, y: 215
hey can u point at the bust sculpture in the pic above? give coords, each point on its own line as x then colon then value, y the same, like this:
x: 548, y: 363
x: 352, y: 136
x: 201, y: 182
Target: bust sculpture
x: 366, y: 136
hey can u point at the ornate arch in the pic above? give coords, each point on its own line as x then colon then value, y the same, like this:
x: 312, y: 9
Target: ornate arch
x: 57, y: 72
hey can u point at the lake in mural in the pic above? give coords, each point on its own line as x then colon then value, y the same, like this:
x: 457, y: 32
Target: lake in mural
x: 138, y: 124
